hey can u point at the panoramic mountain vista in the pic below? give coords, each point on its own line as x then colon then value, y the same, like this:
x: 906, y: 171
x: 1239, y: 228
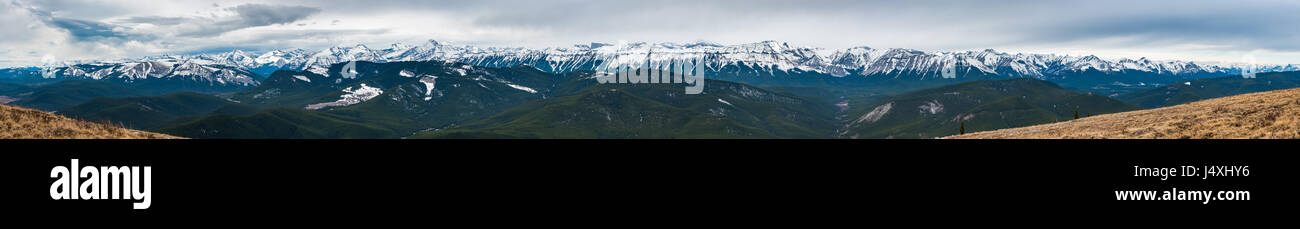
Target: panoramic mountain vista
x: 821, y: 70
x: 590, y: 111
x: 447, y: 99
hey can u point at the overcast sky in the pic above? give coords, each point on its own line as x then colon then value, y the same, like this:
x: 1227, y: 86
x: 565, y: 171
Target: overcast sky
x: 1198, y: 30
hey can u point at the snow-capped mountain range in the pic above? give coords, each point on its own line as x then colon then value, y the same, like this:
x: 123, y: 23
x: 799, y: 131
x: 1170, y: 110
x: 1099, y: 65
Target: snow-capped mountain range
x: 189, y: 69
x: 769, y: 56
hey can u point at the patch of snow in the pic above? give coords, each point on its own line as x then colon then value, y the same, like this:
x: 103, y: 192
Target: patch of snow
x: 725, y: 102
x: 875, y: 114
x: 301, y: 77
x: 522, y: 88
x: 350, y: 70
x: 843, y: 105
x: 932, y: 107
x: 319, y: 71
x: 429, y: 84
x: 1188, y: 83
x: 406, y: 73
x: 351, y: 97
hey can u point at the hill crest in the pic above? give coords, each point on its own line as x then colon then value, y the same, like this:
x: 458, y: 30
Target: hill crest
x: 1264, y: 115
x: 23, y: 123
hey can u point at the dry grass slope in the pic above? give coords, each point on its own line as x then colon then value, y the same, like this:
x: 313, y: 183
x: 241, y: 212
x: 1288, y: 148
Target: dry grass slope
x: 1265, y: 115
x: 23, y: 123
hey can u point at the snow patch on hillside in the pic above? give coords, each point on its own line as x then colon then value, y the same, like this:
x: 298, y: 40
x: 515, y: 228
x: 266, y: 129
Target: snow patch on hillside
x: 522, y: 88
x: 319, y: 71
x: 429, y: 83
x: 350, y: 97
x: 875, y: 114
x: 932, y: 107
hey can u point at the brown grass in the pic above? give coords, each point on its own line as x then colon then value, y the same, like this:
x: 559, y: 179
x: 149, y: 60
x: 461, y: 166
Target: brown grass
x: 23, y: 123
x: 1265, y: 115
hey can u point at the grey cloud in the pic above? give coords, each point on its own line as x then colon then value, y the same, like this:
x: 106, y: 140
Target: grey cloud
x: 316, y: 34
x: 1242, y: 25
x: 157, y: 20
x: 247, y: 16
x: 87, y: 30
x: 280, y: 40
x: 82, y: 9
x: 1230, y: 25
x: 252, y: 15
x: 933, y: 25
